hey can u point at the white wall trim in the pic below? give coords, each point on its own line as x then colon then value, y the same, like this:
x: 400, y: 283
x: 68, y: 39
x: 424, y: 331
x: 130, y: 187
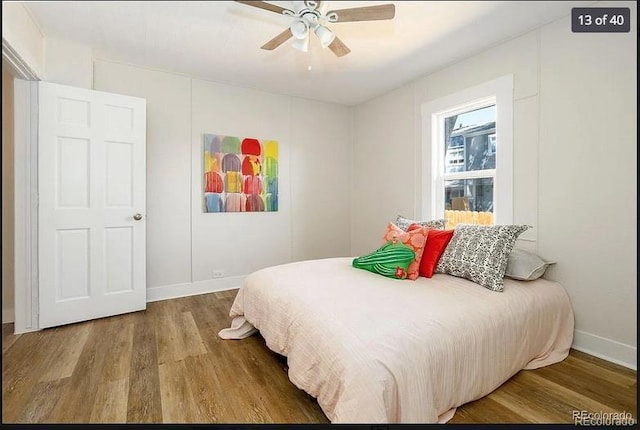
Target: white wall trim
x: 26, y: 210
x: 166, y: 292
x: 607, y: 349
x: 20, y: 68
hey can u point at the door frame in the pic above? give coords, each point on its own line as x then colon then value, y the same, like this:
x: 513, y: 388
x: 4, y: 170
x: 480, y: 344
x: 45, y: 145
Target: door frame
x: 25, y: 162
x: 26, y: 205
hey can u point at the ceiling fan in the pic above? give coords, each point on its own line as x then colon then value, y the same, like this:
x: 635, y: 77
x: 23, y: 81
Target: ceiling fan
x: 312, y: 16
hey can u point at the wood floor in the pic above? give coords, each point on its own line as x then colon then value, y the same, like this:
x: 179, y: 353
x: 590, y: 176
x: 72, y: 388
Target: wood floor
x: 167, y: 365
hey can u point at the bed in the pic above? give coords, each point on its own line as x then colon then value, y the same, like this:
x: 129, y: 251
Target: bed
x: 378, y: 350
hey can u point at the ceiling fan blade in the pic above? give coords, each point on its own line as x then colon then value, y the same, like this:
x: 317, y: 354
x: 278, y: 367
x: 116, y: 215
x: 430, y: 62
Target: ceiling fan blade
x: 278, y: 40
x: 366, y: 13
x: 339, y: 48
x: 264, y: 5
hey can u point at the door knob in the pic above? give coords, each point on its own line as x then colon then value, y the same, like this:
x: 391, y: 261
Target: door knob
x: 137, y: 217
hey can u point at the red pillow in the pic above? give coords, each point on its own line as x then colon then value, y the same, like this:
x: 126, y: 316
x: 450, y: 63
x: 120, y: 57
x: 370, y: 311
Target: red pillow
x: 437, y: 241
x: 414, y: 238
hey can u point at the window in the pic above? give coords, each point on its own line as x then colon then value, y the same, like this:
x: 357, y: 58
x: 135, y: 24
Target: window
x: 469, y: 166
x: 467, y: 155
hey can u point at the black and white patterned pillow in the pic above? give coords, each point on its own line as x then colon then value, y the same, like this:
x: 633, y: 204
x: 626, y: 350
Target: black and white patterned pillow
x: 479, y: 253
x: 404, y: 223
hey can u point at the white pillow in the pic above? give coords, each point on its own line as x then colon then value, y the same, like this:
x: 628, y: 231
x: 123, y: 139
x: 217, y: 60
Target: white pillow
x: 404, y: 223
x: 525, y: 266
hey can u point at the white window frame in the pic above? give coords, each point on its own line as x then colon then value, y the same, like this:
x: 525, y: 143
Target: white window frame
x: 499, y: 92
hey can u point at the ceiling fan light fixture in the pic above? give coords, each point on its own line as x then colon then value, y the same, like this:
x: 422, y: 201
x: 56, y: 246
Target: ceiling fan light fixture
x: 325, y: 35
x: 299, y: 29
x: 301, y: 44
x: 308, y: 15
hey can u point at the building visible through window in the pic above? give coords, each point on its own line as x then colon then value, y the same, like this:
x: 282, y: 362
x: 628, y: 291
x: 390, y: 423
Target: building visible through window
x: 470, y: 147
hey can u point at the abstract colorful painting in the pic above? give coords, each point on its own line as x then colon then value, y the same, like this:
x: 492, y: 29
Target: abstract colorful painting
x: 240, y: 174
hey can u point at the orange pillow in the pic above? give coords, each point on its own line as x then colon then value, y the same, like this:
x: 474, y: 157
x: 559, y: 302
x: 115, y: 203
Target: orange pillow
x: 437, y: 241
x: 415, y: 238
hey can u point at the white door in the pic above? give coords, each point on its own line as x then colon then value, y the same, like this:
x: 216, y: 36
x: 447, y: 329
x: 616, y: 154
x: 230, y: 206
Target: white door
x: 91, y: 204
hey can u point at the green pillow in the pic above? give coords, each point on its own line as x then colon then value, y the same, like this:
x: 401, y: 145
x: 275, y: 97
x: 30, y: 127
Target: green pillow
x: 391, y: 260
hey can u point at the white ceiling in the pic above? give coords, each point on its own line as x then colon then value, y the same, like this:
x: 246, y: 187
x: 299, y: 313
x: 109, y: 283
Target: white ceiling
x: 220, y: 40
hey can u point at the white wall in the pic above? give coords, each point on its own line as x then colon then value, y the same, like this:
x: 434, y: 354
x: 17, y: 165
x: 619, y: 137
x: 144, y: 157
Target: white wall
x: 20, y: 30
x: 185, y: 245
x: 383, y: 166
x: 588, y: 177
x: 52, y: 59
x: 239, y: 244
x: 68, y: 62
x: 320, y: 179
x: 574, y: 165
x: 8, y: 226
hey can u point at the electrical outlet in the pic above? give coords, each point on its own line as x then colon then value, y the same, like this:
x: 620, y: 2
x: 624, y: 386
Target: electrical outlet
x: 218, y: 273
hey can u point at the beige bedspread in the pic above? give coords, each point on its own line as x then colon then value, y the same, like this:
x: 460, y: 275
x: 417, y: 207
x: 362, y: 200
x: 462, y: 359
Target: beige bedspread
x: 379, y: 350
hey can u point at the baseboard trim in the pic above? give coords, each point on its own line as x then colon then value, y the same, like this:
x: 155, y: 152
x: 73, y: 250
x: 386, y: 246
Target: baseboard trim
x: 8, y: 316
x: 174, y: 291
x: 607, y: 349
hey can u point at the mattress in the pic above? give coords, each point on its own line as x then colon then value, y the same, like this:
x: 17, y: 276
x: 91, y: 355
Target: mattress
x: 378, y: 350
